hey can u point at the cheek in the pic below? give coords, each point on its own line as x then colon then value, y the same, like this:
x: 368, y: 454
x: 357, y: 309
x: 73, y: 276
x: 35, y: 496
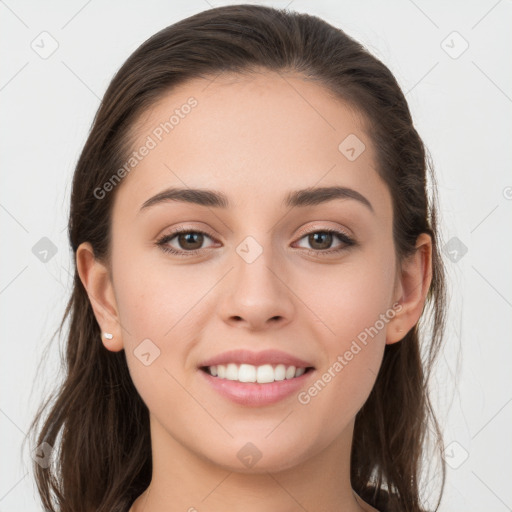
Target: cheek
x: 158, y: 328
x: 155, y: 300
x: 354, y: 307
x: 350, y: 298
x: 158, y: 306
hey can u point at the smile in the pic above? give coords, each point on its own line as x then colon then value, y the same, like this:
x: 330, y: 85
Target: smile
x: 263, y: 374
x: 256, y: 379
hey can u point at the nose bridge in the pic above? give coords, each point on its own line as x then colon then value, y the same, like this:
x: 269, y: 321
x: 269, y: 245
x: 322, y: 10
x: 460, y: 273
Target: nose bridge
x: 255, y: 263
x: 254, y: 232
x: 257, y: 292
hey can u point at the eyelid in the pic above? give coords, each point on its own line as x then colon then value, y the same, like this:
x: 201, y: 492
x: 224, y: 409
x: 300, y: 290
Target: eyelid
x: 162, y: 240
x: 322, y: 226
x: 185, y: 229
x: 311, y: 228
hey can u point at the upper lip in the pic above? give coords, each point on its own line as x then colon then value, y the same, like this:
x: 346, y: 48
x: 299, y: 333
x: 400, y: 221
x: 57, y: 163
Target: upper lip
x: 256, y: 358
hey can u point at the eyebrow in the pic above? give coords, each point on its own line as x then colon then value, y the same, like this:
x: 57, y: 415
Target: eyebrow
x: 294, y: 199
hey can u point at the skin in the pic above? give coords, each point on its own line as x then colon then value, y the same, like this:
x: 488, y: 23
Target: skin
x: 255, y: 138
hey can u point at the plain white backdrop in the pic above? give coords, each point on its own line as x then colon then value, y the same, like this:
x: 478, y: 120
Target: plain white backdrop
x: 453, y: 62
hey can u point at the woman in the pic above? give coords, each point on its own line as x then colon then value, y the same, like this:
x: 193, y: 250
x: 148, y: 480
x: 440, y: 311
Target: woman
x: 254, y: 248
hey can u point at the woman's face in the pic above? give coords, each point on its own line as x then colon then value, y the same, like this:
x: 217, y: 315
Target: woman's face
x: 264, y: 275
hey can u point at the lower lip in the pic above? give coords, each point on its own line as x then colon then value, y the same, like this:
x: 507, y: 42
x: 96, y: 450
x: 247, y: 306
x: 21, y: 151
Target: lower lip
x: 253, y: 394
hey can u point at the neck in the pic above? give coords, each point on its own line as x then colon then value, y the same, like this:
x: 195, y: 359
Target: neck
x: 183, y: 481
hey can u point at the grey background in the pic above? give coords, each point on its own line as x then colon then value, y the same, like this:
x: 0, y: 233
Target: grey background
x: 461, y: 102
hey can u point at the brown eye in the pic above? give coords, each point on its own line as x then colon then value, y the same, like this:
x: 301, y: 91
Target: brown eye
x: 191, y: 240
x: 186, y: 242
x: 320, y: 240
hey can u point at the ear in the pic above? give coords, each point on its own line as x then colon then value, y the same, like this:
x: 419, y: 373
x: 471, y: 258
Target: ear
x: 413, y: 283
x: 95, y: 277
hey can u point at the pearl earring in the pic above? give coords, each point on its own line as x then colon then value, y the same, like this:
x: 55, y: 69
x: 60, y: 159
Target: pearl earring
x: 107, y: 335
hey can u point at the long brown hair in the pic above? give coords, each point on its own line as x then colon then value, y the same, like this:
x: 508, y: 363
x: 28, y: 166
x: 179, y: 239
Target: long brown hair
x: 96, y: 422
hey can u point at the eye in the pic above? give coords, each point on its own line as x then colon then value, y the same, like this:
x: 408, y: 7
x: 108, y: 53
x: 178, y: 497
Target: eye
x: 321, y: 241
x: 189, y: 242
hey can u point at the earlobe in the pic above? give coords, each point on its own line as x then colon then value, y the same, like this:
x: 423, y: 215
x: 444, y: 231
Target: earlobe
x: 414, y: 282
x: 96, y: 279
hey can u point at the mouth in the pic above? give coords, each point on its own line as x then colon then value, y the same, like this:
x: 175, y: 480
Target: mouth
x: 259, y: 386
x: 256, y: 379
x: 263, y: 374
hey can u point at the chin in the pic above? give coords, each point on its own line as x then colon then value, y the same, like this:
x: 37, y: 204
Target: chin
x: 241, y: 455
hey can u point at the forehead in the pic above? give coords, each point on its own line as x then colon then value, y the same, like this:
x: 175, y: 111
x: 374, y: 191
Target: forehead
x: 254, y: 136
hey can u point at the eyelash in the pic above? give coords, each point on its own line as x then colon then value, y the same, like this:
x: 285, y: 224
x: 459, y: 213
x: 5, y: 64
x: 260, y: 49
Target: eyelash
x: 343, y: 237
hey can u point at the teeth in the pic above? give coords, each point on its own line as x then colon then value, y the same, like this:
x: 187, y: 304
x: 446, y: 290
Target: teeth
x: 232, y: 372
x: 280, y: 372
x: 290, y: 372
x: 249, y: 373
x: 265, y: 374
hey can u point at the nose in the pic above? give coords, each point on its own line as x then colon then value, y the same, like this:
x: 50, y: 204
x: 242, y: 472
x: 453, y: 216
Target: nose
x: 256, y: 294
